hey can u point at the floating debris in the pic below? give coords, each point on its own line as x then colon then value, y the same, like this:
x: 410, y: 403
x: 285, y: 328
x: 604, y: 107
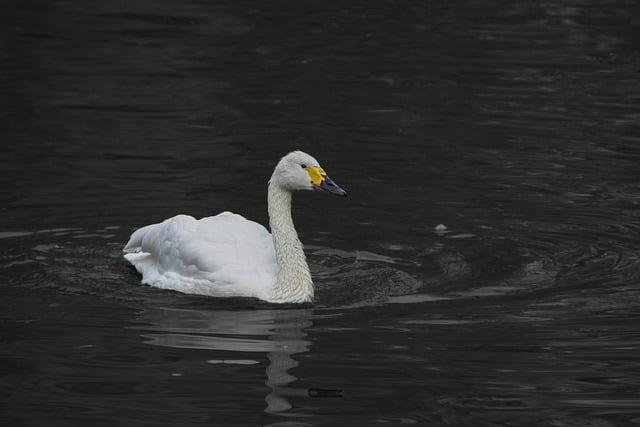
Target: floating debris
x: 441, y: 229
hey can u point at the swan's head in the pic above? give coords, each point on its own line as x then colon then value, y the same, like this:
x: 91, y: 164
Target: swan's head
x: 300, y: 171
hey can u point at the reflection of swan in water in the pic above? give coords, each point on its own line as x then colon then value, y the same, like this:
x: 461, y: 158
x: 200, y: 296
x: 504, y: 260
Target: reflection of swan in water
x: 239, y: 331
x: 288, y: 340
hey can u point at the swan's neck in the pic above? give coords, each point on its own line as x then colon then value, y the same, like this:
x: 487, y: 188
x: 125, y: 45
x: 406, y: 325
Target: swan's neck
x: 294, y: 279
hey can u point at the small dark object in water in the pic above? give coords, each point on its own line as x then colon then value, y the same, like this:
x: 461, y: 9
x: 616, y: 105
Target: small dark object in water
x: 324, y: 392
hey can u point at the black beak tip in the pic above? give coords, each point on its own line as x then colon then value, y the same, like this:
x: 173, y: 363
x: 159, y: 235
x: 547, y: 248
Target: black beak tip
x: 331, y: 187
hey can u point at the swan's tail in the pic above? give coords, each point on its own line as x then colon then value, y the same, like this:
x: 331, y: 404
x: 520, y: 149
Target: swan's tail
x: 141, y: 260
x: 144, y: 263
x: 135, y: 241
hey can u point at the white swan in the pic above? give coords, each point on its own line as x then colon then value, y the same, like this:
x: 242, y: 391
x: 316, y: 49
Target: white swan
x: 227, y: 255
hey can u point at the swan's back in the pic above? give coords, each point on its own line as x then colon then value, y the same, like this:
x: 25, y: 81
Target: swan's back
x: 222, y: 255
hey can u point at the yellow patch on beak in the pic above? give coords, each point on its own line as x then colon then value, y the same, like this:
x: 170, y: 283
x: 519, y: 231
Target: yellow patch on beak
x: 316, y: 174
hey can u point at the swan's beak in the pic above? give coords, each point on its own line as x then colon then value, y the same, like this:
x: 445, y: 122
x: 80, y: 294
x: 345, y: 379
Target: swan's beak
x: 331, y: 187
x: 321, y: 181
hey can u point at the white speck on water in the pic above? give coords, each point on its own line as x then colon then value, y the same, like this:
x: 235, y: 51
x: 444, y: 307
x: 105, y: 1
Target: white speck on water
x: 176, y: 374
x: 441, y: 229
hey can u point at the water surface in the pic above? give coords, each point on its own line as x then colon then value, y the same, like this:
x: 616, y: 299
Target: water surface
x: 483, y: 270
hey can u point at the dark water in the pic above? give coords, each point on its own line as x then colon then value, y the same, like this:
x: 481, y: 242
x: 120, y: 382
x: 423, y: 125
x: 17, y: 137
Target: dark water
x: 514, y: 124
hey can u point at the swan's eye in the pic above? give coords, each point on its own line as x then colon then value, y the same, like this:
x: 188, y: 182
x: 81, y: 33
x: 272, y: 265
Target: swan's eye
x: 303, y: 166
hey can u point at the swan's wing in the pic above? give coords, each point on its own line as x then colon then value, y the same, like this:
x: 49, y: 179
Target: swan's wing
x: 226, y: 253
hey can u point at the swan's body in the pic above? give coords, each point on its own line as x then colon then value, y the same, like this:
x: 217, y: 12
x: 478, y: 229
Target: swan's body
x: 222, y: 255
x: 227, y: 255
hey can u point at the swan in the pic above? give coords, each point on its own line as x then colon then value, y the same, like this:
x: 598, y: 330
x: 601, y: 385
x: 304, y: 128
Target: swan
x: 227, y: 255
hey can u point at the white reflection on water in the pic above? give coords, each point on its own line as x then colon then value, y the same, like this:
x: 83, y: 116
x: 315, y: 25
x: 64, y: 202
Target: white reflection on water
x: 279, y: 333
